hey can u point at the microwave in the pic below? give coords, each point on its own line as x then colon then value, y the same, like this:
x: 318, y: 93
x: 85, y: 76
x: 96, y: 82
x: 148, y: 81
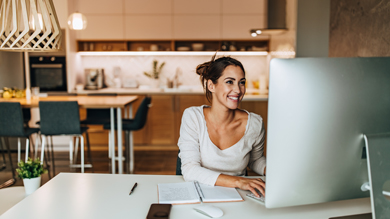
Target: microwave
x: 48, y: 73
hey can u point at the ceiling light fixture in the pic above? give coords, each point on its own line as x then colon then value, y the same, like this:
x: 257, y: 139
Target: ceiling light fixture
x: 77, y: 21
x: 29, y: 25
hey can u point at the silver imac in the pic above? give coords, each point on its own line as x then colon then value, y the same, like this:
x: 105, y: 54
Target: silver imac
x: 318, y: 111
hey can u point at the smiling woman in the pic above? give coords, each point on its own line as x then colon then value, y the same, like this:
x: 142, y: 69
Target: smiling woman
x: 218, y: 142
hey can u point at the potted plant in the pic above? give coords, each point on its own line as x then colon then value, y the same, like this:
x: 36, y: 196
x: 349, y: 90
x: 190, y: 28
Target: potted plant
x: 155, y: 74
x: 30, y: 172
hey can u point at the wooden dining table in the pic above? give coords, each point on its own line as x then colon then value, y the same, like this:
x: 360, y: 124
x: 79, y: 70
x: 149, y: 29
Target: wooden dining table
x: 96, y: 102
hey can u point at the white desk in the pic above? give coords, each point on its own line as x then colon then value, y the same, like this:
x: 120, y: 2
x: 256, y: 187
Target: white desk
x: 76, y: 195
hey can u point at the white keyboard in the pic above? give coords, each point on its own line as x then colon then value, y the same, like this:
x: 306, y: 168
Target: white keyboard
x: 261, y: 199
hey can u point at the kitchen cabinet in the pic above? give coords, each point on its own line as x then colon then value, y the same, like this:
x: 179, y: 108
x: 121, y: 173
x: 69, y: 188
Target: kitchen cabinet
x: 103, y: 27
x: 258, y: 7
x: 238, y: 26
x: 100, y: 7
x: 148, y: 7
x: 197, y: 26
x: 171, y: 19
x: 148, y: 27
x: 197, y: 7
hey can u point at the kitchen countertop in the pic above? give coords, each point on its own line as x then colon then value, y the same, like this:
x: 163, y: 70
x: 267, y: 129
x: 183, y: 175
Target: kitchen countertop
x: 251, y: 94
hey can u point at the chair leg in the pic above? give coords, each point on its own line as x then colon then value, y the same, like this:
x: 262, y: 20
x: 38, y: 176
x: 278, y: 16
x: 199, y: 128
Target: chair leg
x: 3, y: 166
x: 89, y: 151
x: 36, y: 145
x: 71, y: 152
x: 19, y: 150
x: 12, y: 181
x: 131, y: 152
x: 52, y: 155
x: 76, y: 150
x: 27, y: 148
x: 109, y: 144
x: 127, y: 155
x: 82, y: 153
x: 43, y: 140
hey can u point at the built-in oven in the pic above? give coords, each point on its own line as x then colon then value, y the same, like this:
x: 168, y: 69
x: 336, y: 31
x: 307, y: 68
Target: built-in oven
x: 48, y: 73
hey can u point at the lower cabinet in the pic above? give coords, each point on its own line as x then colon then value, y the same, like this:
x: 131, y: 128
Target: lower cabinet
x: 162, y: 127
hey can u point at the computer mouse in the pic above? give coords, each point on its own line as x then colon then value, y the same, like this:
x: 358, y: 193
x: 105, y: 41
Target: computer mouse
x: 209, y: 210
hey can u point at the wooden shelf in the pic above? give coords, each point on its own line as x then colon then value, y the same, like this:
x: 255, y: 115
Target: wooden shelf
x: 172, y: 45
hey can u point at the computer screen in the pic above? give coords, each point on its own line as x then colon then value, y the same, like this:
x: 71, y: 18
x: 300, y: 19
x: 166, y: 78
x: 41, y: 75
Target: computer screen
x: 318, y: 111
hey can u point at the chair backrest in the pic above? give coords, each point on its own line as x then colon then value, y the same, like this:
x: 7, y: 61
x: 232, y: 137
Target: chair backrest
x: 100, y: 114
x: 178, y: 165
x: 142, y: 113
x: 11, y: 119
x: 59, y: 118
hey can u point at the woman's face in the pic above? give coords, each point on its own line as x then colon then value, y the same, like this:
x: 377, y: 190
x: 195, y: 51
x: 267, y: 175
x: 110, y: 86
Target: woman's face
x: 230, y: 87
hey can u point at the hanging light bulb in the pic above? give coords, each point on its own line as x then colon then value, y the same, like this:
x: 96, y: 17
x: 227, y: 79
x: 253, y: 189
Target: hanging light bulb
x: 77, y: 21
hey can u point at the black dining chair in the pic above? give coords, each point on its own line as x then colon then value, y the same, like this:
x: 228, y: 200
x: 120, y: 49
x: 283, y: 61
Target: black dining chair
x: 63, y: 118
x: 99, y: 116
x: 129, y: 125
x: 12, y: 125
x: 178, y: 165
x: 11, y: 181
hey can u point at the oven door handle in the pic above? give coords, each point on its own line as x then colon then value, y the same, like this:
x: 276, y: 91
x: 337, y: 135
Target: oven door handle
x: 46, y: 66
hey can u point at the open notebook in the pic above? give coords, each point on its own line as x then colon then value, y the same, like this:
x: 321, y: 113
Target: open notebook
x: 194, y: 192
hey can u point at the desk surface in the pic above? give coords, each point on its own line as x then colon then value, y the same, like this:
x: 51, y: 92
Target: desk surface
x: 76, y: 195
x: 83, y: 101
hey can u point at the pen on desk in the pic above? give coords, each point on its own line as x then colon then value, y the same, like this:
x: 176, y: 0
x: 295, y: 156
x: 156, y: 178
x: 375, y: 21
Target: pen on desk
x: 132, y: 189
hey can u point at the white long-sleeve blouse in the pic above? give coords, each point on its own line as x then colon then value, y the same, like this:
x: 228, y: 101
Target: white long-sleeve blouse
x: 204, y: 162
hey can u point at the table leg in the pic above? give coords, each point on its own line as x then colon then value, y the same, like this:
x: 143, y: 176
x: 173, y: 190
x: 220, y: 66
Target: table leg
x: 112, y: 140
x: 131, y: 144
x: 120, y: 146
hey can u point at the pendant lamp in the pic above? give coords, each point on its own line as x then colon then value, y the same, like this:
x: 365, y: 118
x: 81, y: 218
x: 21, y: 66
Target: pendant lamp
x: 77, y: 21
x: 29, y: 25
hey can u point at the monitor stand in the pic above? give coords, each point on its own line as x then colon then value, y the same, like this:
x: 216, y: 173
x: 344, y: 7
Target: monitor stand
x: 378, y: 161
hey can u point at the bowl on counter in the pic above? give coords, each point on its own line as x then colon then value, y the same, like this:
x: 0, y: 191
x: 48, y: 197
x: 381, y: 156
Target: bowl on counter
x: 197, y: 46
x: 183, y: 48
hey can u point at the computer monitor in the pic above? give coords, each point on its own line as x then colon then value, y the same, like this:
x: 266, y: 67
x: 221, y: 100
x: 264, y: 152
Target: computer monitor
x: 318, y: 111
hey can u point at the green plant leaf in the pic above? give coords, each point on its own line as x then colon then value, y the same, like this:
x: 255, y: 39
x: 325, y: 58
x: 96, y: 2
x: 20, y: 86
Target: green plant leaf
x: 30, y: 169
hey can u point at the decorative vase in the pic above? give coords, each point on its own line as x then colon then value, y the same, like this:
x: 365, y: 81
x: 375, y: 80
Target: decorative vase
x: 30, y: 185
x: 155, y: 83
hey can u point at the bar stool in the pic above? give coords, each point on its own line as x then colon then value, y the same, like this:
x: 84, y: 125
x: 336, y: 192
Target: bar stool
x: 129, y: 125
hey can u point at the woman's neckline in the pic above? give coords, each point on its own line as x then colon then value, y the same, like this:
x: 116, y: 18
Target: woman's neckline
x: 207, y: 130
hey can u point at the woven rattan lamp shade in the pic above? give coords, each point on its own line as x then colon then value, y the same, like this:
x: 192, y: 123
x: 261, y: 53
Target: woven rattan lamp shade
x: 29, y: 25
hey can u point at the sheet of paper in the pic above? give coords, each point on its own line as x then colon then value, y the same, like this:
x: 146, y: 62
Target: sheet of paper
x: 177, y: 193
x: 219, y: 194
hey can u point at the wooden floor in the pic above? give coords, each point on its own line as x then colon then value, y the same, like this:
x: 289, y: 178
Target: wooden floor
x: 154, y: 162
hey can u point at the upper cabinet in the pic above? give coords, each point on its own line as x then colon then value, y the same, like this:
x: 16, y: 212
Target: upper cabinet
x: 105, y: 27
x: 171, y: 19
x: 244, y: 7
x: 146, y: 27
x: 100, y: 6
x: 155, y: 7
x: 199, y: 7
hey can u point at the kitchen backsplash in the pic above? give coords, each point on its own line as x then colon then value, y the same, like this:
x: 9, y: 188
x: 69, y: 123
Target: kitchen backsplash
x: 134, y: 66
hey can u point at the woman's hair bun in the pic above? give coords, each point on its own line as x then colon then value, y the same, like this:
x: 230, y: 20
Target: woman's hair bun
x: 203, y: 68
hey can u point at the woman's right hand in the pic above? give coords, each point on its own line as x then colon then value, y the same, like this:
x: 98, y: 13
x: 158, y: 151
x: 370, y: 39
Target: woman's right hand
x: 252, y: 185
